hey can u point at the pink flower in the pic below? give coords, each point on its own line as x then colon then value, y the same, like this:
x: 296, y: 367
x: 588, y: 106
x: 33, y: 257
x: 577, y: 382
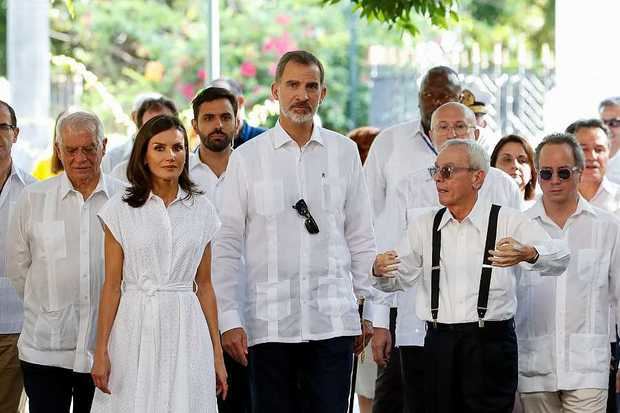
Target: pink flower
x: 187, y: 90
x: 202, y: 74
x: 283, y: 19
x: 279, y: 45
x: 247, y: 69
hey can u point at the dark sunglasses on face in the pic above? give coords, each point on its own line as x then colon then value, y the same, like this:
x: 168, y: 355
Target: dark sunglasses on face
x: 302, y: 209
x: 563, y: 173
x: 447, y: 172
x: 612, y: 123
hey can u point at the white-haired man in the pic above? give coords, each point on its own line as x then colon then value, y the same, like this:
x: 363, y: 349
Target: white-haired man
x: 415, y: 192
x: 462, y: 258
x: 55, y: 263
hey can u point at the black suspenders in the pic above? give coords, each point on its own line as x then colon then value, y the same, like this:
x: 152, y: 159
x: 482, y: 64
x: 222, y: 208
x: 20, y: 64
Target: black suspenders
x: 487, y: 269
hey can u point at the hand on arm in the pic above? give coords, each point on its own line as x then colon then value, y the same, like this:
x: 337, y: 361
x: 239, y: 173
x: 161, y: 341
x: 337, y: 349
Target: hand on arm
x: 381, y: 346
x: 509, y: 252
x: 206, y: 297
x: 108, y: 306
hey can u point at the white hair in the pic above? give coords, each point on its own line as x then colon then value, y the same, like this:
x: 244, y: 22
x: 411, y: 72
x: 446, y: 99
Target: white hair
x: 80, y: 120
x: 468, y: 114
x: 478, y: 156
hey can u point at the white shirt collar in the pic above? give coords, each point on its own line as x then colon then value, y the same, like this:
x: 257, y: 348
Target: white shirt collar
x: 280, y: 137
x: 181, y: 196
x: 476, y: 216
x: 66, y: 186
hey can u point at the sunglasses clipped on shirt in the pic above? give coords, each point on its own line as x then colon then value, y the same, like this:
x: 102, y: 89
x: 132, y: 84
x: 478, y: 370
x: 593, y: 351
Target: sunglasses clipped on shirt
x: 302, y: 209
x: 563, y: 173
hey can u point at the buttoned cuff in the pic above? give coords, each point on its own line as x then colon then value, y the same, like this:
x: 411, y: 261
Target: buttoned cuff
x: 229, y: 320
x: 377, y: 314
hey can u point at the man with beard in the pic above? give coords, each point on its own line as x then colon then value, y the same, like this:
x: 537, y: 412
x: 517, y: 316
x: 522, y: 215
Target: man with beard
x: 215, y: 122
x: 295, y: 208
x: 244, y: 131
x: 396, y: 152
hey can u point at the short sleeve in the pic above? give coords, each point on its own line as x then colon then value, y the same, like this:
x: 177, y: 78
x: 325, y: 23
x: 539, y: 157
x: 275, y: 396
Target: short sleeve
x: 211, y: 221
x: 109, y: 216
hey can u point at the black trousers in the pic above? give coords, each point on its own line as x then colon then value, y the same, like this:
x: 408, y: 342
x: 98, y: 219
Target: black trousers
x: 412, y: 370
x: 50, y: 389
x: 238, y: 399
x: 611, y: 395
x: 388, y: 386
x: 470, y: 369
x: 307, y: 377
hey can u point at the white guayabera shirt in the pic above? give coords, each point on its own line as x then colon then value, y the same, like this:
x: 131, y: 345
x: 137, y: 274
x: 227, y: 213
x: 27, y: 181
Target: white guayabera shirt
x: 11, y: 309
x: 462, y: 252
x: 562, y: 323
x: 416, y: 192
x: 300, y: 286
x: 55, y: 261
x: 396, y: 152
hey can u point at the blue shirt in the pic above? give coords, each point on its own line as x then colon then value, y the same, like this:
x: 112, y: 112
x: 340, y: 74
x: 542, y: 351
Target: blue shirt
x: 246, y: 133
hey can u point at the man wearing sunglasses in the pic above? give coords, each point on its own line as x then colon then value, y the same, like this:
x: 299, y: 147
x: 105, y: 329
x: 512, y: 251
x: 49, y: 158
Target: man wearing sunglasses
x: 296, y: 207
x: 563, y: 323
x: 462, y: 258
x: 415, y: 192
x: 12, y: 182
x: 609, y: 110
x: 397, y: 151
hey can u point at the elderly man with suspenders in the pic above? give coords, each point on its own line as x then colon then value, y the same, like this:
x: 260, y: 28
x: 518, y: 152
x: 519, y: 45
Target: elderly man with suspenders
x: 470, y: 345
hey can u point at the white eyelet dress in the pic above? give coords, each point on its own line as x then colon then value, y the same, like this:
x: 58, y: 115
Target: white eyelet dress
x: 160, y: 348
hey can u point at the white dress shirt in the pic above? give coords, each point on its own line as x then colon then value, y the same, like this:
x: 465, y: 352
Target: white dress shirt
x: 562, y: 323
x: 613, y: 169
x: 416, y: 192
x: 607, y: 197
x: 117, y: 155
x: 11, y: 309
x: 396, y: 152
x: 120, y: 171
x: 300, y: 286
x: 462, y: 252
x: 55, y: 261
x: 202, y: 175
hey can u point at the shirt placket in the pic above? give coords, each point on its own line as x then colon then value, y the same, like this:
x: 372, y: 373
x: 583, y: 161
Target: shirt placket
x: 84, y: 306
x: 561, y: 345
x: 304, y: 284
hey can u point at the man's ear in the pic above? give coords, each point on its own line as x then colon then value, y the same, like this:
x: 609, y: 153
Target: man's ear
x: 478, y: 179
x: 476, y: 134
x: 274, y: 91
x: 15, y: 133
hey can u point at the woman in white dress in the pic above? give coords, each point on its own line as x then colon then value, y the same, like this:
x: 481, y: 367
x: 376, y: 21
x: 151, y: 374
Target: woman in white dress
x: 158, y: 346
x: 514, y: 155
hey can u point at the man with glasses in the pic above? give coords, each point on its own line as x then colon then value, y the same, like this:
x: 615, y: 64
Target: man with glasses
x: 563, y: 323
x: 12, y: 182
x: 593, y: 137
x: 296, y: 208
x: 609, y: 111
x: 396, y: 152
x: 55, y: 262
x: 416, y: 192
x: 462, y: 257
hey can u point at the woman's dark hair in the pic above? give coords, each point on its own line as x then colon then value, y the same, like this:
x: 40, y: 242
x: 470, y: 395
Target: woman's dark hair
x: 139, y: 175
x: 530, y: 187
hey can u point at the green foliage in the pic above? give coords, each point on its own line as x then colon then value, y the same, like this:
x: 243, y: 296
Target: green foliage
x: 398, y: 13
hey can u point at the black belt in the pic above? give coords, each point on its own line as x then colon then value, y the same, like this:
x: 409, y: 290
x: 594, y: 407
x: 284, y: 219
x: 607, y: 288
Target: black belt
x: 488, y: 324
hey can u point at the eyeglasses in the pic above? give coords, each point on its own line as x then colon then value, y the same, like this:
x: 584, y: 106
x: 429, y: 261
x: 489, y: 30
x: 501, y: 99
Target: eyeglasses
x: 460, y: 129
x: 6, y: 127
x: 612, y: 123
x: 447, y: 172
x: 563, y: 173
x: 302, y: 209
